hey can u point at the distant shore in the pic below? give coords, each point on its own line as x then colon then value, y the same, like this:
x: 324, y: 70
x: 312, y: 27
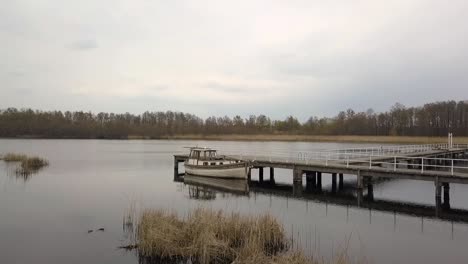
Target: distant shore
x: 318, y: 138
x: 282, y: 137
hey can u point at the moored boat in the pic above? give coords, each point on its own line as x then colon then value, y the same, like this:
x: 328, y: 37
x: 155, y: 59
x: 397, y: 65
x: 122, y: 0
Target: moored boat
x: 206, y: 162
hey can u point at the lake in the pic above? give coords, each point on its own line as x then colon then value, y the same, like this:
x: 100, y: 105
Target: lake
x: 90, y: 184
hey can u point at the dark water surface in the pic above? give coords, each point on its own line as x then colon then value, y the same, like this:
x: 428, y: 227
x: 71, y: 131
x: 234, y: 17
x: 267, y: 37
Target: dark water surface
x: 91, y: 183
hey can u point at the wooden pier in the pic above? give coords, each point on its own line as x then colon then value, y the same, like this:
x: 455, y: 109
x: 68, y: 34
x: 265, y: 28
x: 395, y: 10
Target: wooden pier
x: 440, y: 163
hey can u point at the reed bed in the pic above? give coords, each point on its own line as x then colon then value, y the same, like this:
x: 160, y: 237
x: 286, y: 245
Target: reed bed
x: 12, y: 157
x: 207, y: 236
x: 28, y: 165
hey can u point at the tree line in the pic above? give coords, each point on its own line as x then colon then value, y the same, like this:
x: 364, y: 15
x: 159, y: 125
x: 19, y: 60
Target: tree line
x: 433, y: 119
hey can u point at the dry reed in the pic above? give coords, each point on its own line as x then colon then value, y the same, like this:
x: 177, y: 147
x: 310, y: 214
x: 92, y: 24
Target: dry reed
x: 207, y: 236
x: 12, y: 157
x: 28, y: 165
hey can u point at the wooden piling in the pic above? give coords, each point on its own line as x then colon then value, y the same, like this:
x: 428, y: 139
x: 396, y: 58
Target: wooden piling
x: 311, y: 180
x: 319, y: 181
x: 359, y: 180
x: 438, y: 201
x: 297, y: 182
x: 370, y: 189
x: 333, y: 182
x: 260, y: 174
x: 176, y: 164
x: 340, y: 182
x: 446, y: 188
x: 297, y: 175
x: 272, y: 175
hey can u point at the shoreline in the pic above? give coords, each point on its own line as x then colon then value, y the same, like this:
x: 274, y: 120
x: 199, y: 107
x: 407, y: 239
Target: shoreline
x: 282, y: 138
x: 319, y: 138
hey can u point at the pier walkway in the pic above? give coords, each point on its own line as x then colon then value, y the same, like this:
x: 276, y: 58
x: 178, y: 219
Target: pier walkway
x: 440, y: 163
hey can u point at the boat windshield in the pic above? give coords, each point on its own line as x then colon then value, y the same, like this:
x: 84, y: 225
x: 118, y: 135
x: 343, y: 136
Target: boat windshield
x: 211, y: 154
x: 203, y: 154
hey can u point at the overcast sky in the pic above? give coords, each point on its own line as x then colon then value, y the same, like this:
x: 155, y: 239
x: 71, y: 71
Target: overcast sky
x: 217, y: 57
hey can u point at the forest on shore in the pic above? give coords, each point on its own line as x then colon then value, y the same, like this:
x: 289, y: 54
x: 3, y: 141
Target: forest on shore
x: 430, y: 120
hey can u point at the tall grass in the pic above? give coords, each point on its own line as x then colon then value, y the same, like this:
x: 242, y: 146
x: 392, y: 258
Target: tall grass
x: 206, y: 236
x: 12, y: 157
x: 28, y: 165
x: 33, y: 163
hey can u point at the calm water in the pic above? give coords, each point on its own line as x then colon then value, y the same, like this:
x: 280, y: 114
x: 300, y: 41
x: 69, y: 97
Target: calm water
x: 90, y: 184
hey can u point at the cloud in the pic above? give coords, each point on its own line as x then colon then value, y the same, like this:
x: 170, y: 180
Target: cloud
x: 215, y: 57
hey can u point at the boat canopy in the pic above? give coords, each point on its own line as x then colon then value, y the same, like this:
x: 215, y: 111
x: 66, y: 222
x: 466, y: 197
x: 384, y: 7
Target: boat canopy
x: 202, y: 153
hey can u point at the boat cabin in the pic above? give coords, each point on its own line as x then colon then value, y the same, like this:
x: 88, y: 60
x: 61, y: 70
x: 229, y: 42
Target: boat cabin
x: 202, y: 154
x: 207, y: 157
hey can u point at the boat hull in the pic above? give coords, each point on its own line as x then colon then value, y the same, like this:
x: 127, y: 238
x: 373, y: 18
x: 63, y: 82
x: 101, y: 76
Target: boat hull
x: 228, y: 172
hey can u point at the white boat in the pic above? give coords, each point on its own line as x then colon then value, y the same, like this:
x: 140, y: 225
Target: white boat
x: 206, y: 162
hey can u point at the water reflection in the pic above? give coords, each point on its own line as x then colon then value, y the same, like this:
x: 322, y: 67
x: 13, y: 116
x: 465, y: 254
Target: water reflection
x: 13, y: 171
x: 90, y: 182
x: 208, y: 188
x: 201, y: 193
x: 212, y: 184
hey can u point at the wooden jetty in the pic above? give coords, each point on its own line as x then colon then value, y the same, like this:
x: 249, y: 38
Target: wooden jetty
x: 440, y: 163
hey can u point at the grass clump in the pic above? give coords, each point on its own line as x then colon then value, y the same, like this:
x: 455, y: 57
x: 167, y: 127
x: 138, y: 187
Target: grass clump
x: 12, y: 157
x: 33, y: 163
x: 28, y: 165
x: 207, y: 236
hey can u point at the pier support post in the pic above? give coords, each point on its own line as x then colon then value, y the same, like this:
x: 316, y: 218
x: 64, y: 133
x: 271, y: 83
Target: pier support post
x: 176, y: 164
x: 272, y: 175
x: 297, y: 175
x: 249, y: 174
x: 438, y: 202
x: 311, y: 180
x: 260, y: 174
x: 370, y: 189
x: 176, y: 168
x: 340, y: 182
x: 359, y: 180
x: 319, y: 181
x: 359, y: 188
x: 333, y: 182
x: 297, y: 182
x: 446, y: 187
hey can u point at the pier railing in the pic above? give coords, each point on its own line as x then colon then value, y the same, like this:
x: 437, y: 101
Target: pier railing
x: 401, y: 149
x: 408, y: 157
